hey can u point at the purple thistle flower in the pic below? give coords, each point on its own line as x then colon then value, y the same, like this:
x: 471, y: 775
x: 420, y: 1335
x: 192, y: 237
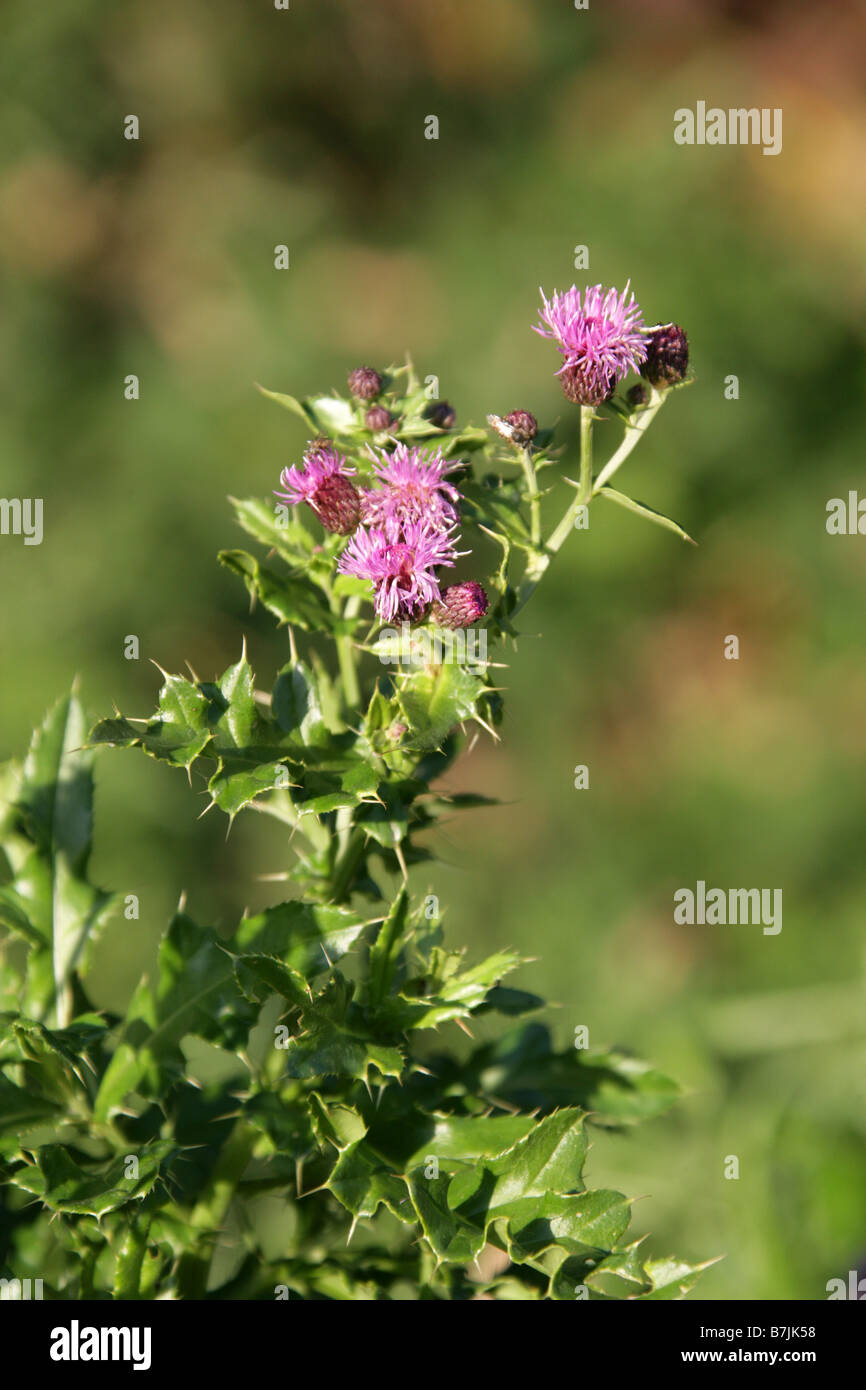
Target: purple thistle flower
x: 400, y: 562
x: 323, y: 483
x: 414, y: 488
x: 600, y: 336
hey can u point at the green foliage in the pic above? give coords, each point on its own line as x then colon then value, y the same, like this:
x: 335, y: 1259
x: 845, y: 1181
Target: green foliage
x: 295, y: 1073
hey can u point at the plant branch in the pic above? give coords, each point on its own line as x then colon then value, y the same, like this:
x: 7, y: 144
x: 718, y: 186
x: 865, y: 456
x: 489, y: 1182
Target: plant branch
x: 632, y: 434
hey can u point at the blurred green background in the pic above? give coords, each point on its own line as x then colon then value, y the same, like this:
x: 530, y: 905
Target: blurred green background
x: 306, y: 127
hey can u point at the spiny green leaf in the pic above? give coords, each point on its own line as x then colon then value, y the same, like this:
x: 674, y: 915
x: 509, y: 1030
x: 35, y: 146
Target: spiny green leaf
x: 449, y: 997
x: 672, y: 1278
x: 362, y: 1182
x: 259, y: 975
x: 65, y: 1186
x: 523, y: 1068
x: 292, y: 598
x: 584, y: 1223
x: 450, y: 1236
x: 337, y: 1124
x: 433, y: 701
x: 179, y: 732
x: 307, y: 937
x: 296, y: 706
x: 328, y: 1048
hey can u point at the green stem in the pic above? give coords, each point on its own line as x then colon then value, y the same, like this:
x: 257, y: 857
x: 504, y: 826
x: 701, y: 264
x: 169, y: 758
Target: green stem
x: 127, y: 1279
x: 632, y: 434
x: 347, y: 862
x: 539, y: 563
x: 210, y: 1211
x: 347, y: 658
x: 532, y: 492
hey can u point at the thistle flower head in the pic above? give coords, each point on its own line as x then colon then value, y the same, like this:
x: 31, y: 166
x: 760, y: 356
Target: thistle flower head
x: 365, y: 383
x: 323, y: 482
x: 441, y: 414
x: 600, y: 335
x: 378, y: 418
x: 524, y: 426
x: 667, y: 358
x: 400, y: 562
x: 461, y: 605
x: 585, y: 387
x: 414, y: 488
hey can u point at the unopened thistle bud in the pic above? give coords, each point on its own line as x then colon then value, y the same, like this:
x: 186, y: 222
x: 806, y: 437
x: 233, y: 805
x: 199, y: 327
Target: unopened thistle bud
x: 337, y: 503
x: 365, y: 383
x: 667, y: 355
x: 441, y: 414
x: 323, y: 482
x: 524, y: 426
x: 461, y: 605
x: 586, y: 387
x: 378, y: 419
x: 637, y: 395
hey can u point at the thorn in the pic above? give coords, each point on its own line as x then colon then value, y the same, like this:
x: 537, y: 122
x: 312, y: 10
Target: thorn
x: 398, y: 850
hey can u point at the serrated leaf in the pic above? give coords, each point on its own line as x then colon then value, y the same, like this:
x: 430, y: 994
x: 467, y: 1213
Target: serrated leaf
x: 451, y: 998
x: 328, y: 1048
x: 65, y: 1186
x: 583, y: 1223
x: 362, y: 1182
x: 20, y: 1108
x: 450, y: 1236
x: 178, y: 733
x: 548, y: 1160
x: 259, y: 975
x: 305, y: 936
x: 337, y: 1124
x: 617, y: 1089
x: 238, y: 781
x: 296, y: 706
x: 292, y: 598
x: 672, y: 1278
x: 413, y: 1136
x: 620, y: 1275
x: 435, y: 700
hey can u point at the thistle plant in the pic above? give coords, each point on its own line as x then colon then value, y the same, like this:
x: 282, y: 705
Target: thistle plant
x: 350, y: 1138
